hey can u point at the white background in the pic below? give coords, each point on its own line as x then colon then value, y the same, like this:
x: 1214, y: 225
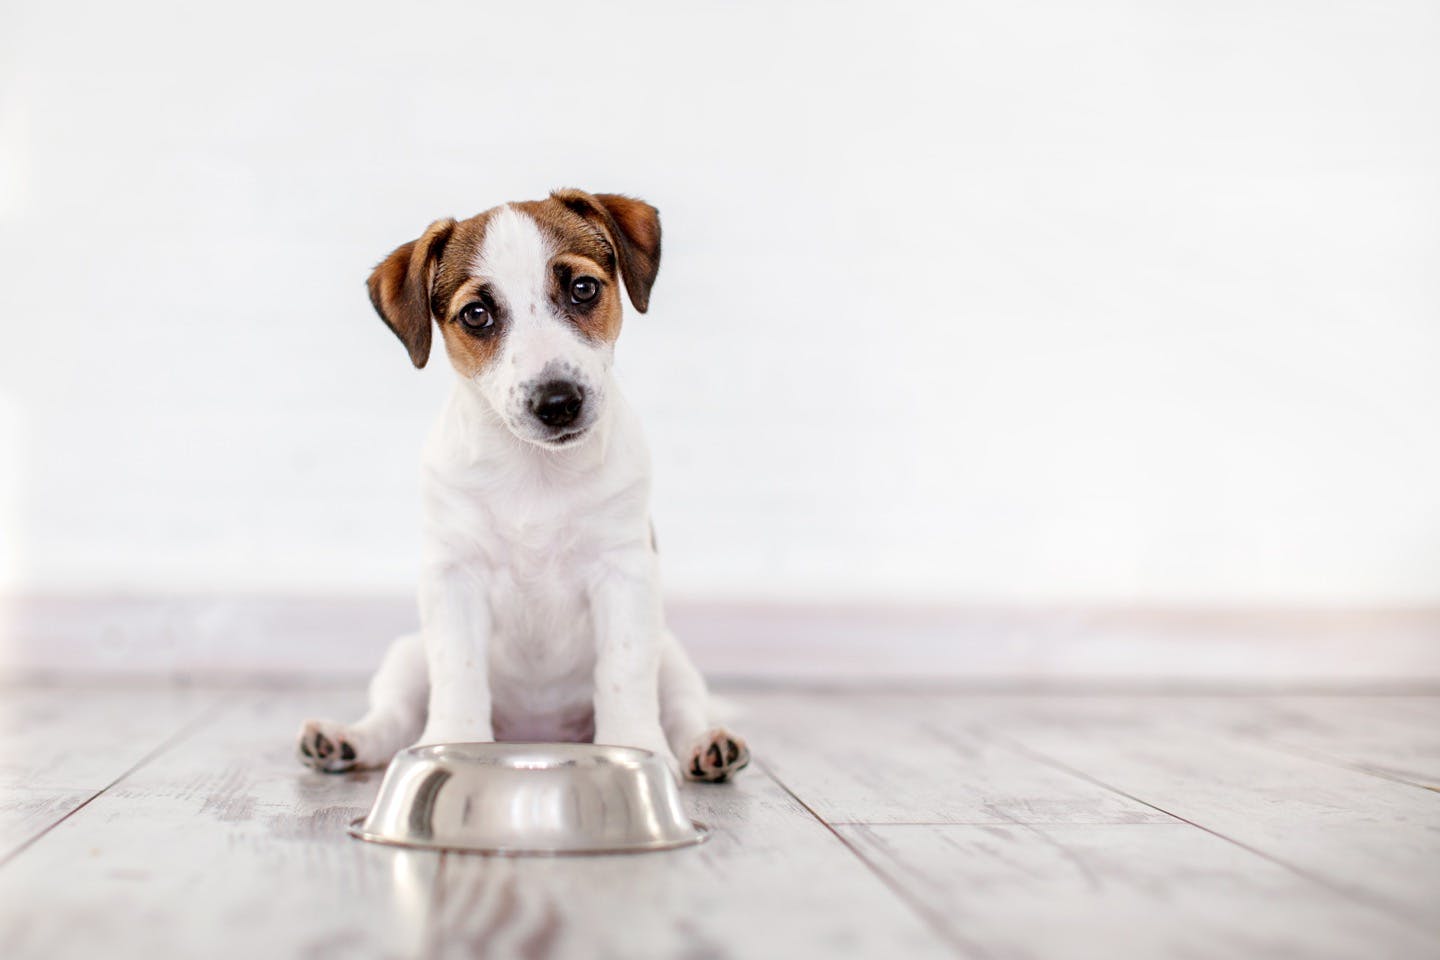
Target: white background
x: 1021, y: 302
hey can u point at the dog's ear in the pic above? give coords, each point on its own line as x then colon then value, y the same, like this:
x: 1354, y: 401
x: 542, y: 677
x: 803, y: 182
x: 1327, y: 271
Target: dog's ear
x: 400, y: 288
x: 634, y: 229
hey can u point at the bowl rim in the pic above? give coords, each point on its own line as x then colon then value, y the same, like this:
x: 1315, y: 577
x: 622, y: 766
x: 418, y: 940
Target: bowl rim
x: 611, y: 752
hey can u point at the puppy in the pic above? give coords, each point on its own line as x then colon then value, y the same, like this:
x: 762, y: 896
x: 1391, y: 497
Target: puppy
x: 540, y: 606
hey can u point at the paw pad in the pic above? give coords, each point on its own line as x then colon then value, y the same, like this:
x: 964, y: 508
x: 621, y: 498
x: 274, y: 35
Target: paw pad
x: 328, y: 753
x: 716, y: 756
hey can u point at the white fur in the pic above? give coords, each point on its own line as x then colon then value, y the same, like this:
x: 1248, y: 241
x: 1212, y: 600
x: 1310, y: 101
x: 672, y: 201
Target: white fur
x: 539, y: 597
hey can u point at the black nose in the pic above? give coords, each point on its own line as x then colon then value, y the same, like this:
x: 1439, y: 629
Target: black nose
x: 557, y: 403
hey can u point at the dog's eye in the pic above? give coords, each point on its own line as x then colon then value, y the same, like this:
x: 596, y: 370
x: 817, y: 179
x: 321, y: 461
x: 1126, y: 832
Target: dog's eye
x: 584, y: 289
x: 475, y: 316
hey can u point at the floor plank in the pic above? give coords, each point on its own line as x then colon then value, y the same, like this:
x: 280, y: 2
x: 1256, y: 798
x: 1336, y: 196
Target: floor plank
x: 1374, y: 839
x: 771, y: 881
x: 221, y: 846
x: 879, y: 758
x: 1393, y: 736
x: 1389, y: 736
x: 60, y: 746
x: 1130, y: 890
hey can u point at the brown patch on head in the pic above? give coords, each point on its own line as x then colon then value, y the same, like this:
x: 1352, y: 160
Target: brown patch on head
x: 606, y: 237
x: 582, y: 248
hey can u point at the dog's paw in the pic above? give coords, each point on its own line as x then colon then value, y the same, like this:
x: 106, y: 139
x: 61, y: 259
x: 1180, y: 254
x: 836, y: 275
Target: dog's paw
x: 715, y: 756
x: 326, y: 747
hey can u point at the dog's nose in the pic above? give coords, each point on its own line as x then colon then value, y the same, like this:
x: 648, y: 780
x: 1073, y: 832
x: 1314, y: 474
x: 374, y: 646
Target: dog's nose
x: 557, y: 403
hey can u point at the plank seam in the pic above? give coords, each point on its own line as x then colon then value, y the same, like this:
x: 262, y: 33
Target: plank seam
x: 926, y: 915
x: 186, y: 729
x: 1315, y: 756
x: 1375, y: 903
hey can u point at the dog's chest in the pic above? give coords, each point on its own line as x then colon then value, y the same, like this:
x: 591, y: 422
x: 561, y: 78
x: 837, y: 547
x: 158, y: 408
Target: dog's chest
x: 537, y: 564
x: 537, y: 534
x: 542, y: 648
x: 534, y: 549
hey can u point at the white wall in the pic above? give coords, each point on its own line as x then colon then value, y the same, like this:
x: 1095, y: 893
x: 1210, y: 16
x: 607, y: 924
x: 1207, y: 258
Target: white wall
x: 1017, y: 301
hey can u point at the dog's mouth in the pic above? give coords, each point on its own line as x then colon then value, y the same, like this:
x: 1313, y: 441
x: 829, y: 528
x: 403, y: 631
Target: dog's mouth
x: 564, y: 439
x: 550, y: 441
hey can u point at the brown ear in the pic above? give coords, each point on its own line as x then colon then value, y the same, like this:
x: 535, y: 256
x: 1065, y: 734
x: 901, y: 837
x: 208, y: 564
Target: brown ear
x: 634, y: 228
x: 400, y: 288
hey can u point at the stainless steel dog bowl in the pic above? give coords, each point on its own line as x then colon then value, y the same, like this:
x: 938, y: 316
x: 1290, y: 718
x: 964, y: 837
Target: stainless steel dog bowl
x: 529, y: 798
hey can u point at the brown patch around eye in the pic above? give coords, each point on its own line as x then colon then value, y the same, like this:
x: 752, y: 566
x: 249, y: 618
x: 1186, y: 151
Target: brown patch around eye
x: 597, y: 319
x: 470, y: 352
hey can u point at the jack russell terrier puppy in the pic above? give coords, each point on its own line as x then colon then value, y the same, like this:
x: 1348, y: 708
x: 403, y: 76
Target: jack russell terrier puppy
x: 540, y: 609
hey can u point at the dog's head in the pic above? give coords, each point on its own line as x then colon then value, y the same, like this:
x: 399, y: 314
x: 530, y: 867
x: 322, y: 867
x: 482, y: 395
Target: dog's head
x: 527, y: 298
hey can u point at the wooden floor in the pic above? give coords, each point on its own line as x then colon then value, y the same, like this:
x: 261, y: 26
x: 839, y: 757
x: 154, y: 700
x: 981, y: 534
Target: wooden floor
x: 155, y: 821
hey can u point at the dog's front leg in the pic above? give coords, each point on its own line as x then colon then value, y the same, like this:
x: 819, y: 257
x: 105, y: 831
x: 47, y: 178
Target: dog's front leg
x: 455, y: 619
x: 625, y: 605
